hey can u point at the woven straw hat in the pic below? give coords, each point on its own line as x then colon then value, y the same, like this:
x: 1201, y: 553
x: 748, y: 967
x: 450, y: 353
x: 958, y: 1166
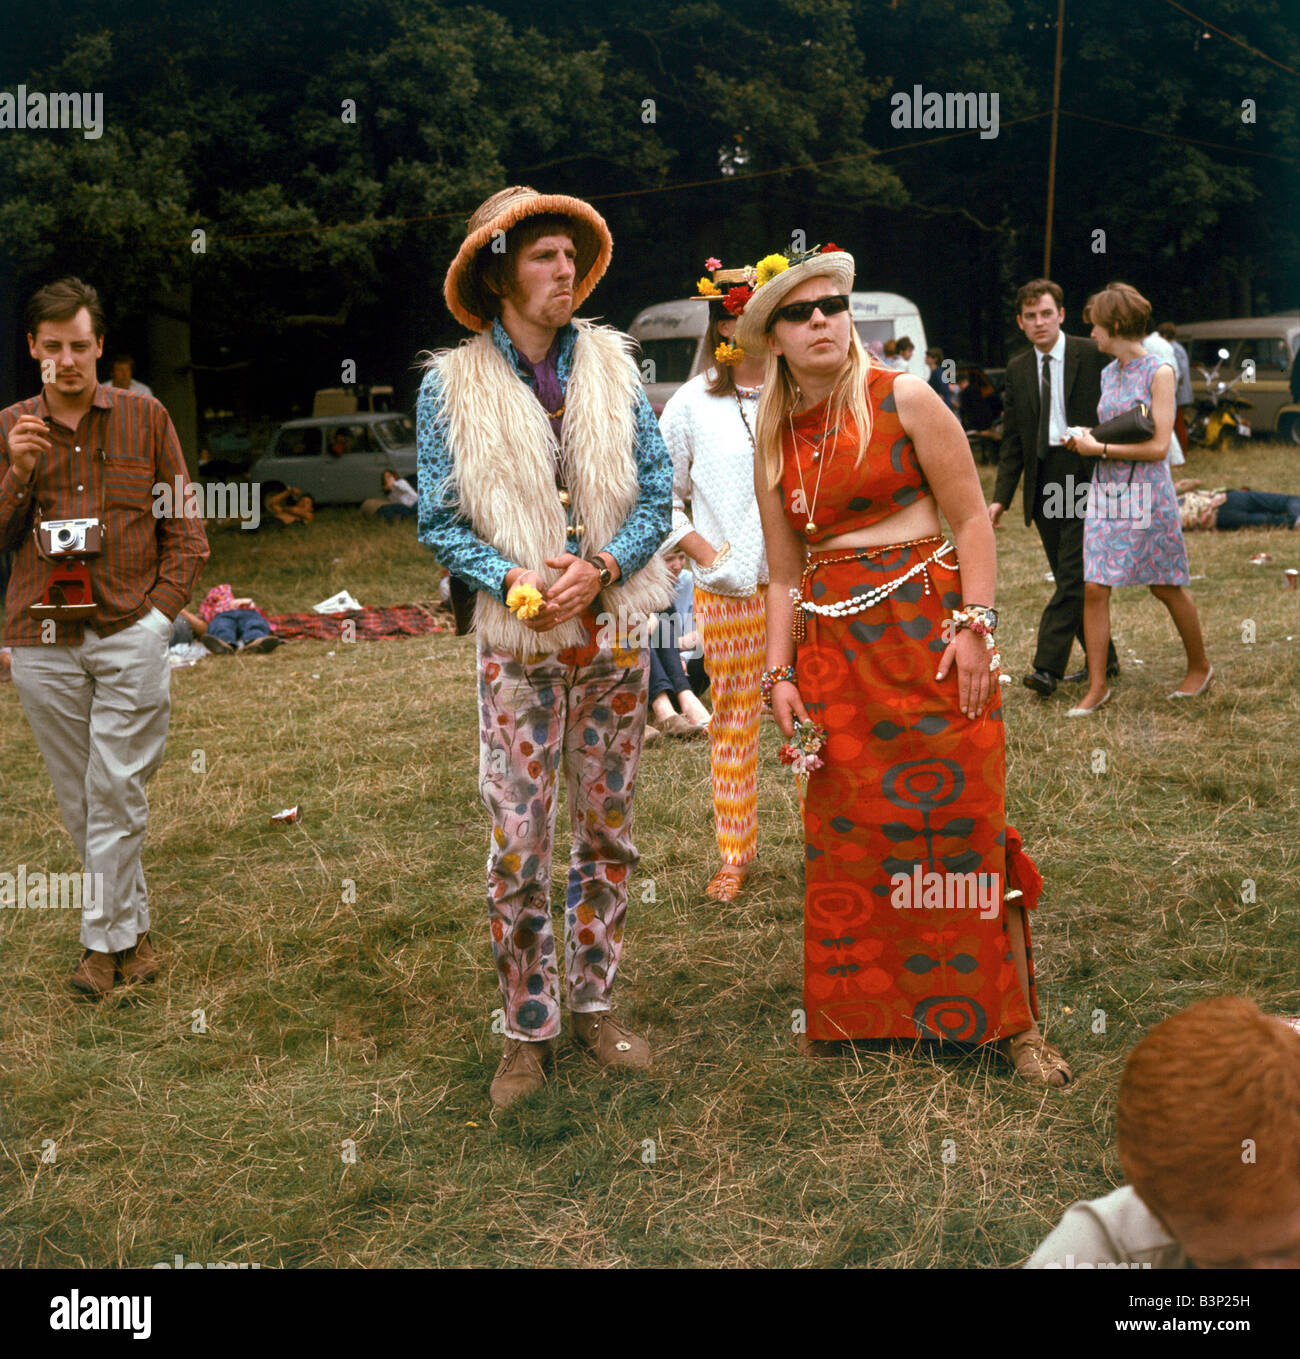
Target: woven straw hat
x: 837, y: 265
x: 468, y: 297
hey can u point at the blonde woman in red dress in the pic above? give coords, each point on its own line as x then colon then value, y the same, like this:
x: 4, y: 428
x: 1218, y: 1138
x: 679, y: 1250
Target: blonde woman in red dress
x: 915, y: 887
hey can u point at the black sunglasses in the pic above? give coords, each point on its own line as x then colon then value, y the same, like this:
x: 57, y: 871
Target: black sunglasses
x: 799, y: 312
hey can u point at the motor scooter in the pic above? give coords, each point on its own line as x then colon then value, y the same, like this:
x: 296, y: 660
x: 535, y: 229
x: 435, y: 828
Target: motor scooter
x: 1221, y: 418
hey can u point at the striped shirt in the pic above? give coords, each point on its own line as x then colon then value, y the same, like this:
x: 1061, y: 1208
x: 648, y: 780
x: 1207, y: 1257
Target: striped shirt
x: 106, y: 468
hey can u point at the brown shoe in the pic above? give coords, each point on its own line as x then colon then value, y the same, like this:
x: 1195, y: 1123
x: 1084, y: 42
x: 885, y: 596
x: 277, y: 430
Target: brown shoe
x: 139, y: 964
x: 1036, y: 1059
x: 819, y: 1048
x: 726, y: 883
x: 522, y: 1070
x: 608, y: 1043
x: 95, y: 975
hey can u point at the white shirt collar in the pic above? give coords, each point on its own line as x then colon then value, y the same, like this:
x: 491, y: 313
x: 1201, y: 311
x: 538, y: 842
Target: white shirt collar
x: 1056, y: 353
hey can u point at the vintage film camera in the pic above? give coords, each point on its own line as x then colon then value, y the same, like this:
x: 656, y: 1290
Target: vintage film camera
x: 67, y: 544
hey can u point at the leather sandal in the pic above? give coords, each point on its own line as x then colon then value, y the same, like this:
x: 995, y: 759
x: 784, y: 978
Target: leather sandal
x: 1036, y: 1059
x: 726, y: 883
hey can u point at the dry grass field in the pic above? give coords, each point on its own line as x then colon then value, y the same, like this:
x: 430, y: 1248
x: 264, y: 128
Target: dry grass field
x: 335, y: 1112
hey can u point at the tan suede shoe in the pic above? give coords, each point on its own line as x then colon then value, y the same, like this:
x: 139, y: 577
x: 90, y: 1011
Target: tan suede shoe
x: 95, y: 975
x: 139, y: 964
x: 521, y: 1070
x: 607, y: 1042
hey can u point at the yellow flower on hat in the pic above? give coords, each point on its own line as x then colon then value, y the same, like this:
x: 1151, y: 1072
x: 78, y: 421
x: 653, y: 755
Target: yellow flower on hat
x: 768, y: 268
x: 707, y: 287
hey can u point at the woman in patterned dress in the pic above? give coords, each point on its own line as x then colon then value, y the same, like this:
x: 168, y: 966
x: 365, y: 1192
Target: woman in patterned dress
x: 1133, y: 534
x: 904, y: 820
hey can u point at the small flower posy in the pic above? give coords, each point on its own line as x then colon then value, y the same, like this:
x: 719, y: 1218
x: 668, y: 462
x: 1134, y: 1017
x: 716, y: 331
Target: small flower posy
x: 802, y: 755
x: 524, y: 601
x: 728, y: 354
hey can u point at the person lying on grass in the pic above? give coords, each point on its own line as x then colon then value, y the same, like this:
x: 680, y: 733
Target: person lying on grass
x: 1209, y: 1139
x: 234, y: 624
x: 1226, y: 510
x: 291, y: 506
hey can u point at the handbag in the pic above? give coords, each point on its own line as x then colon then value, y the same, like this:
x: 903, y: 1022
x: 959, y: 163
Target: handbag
x: 1133, y: 426
x: 462, y: 604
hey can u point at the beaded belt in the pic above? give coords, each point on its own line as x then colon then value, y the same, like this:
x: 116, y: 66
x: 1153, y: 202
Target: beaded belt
x: 858, y: 603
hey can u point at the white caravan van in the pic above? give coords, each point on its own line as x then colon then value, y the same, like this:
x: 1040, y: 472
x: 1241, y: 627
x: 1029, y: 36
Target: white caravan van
x: 671, y: 336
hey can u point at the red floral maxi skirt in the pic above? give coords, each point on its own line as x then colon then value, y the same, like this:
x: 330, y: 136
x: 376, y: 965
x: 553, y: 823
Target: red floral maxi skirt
x: 906, y: 847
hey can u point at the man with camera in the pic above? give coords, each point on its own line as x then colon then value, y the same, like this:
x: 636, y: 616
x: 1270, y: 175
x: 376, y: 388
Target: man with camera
x: 98, y: 575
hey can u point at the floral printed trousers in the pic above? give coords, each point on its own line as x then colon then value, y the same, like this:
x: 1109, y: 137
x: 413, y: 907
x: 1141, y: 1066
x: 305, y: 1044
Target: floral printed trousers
x: 586, y: 708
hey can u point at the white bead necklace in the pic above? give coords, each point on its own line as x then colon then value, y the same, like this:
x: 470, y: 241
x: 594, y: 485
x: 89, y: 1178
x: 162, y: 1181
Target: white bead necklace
x: 860, y: 603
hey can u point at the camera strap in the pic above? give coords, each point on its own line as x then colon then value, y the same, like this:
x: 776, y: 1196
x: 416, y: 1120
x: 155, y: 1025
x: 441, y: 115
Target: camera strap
x: 69, y: 594
x: 97, y: 483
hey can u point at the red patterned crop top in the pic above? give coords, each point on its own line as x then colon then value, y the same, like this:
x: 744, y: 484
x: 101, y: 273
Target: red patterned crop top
x: 849, y: 497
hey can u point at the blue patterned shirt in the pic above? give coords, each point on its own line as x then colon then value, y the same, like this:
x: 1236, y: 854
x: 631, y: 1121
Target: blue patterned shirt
x: 452, y: 539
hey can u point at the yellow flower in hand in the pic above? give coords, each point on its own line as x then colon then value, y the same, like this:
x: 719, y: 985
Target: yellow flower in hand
x: 524, y: 601
x: 768, y: 268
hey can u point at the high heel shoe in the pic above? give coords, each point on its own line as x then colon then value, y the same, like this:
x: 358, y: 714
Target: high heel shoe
x: 1088, y: 712
x: 1178, y: 693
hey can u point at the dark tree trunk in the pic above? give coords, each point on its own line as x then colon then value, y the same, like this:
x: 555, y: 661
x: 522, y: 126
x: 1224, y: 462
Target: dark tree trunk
x: 167, y: 324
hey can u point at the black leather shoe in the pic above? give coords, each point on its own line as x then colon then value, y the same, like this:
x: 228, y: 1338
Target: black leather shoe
x: 1040, y: 682
x: 1080, y: 676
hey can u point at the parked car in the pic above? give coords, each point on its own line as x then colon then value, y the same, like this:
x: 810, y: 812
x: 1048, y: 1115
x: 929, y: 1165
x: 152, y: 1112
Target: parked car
x: 339, y: 460
x: 1267, y: 342
x: 671, y: 336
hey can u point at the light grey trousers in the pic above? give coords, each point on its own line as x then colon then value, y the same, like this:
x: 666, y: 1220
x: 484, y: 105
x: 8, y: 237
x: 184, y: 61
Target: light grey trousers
x: 99, y: 712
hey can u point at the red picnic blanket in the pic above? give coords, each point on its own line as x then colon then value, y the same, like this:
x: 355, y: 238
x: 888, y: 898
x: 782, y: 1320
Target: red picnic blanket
x: 397, y: 620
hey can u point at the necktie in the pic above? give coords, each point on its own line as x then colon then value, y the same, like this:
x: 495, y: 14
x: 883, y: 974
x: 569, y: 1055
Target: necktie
x: 1045, y: 408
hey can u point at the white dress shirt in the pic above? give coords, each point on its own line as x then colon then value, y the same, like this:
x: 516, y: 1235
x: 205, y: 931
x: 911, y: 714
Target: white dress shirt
x: 1057, y: 425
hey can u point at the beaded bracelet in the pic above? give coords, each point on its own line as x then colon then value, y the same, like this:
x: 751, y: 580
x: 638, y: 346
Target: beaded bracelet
x: 771, y: 678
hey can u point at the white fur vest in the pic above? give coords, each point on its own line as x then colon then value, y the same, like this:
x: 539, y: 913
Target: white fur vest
x: 503, y: 477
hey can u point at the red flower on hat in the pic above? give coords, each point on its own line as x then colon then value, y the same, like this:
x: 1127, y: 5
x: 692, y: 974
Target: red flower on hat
x: 831, y: 246
x: 737, y: 297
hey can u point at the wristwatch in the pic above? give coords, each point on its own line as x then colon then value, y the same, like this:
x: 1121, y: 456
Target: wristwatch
x: 606, y: 575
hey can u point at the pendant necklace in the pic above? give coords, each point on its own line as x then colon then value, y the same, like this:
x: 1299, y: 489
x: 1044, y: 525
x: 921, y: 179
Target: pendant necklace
x: 810, y: 527
x: 749, y: 391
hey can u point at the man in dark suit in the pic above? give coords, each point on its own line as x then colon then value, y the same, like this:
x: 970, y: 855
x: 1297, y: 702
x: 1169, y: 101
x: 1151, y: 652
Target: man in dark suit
x: 1067, y: 371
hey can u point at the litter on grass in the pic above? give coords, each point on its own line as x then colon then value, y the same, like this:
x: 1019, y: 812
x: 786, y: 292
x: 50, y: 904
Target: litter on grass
x: 339, y: 603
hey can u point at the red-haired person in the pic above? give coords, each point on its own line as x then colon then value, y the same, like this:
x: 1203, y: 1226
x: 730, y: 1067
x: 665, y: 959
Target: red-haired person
x: 1209, y: 1139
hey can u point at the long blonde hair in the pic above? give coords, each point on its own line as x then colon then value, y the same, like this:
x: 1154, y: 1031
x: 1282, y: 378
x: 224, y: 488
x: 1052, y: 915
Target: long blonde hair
x: 780, y: 396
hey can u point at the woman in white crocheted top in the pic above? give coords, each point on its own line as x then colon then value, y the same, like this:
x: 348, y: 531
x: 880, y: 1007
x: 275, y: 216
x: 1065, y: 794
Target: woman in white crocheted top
x: 708, y: 426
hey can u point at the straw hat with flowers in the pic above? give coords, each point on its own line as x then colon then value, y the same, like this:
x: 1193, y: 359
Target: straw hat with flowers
x: 776, y: 276
x: 467, y: 295
x: 727, y: 291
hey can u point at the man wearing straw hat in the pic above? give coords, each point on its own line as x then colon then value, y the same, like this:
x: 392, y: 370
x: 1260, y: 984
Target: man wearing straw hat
x: 546, y: 489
